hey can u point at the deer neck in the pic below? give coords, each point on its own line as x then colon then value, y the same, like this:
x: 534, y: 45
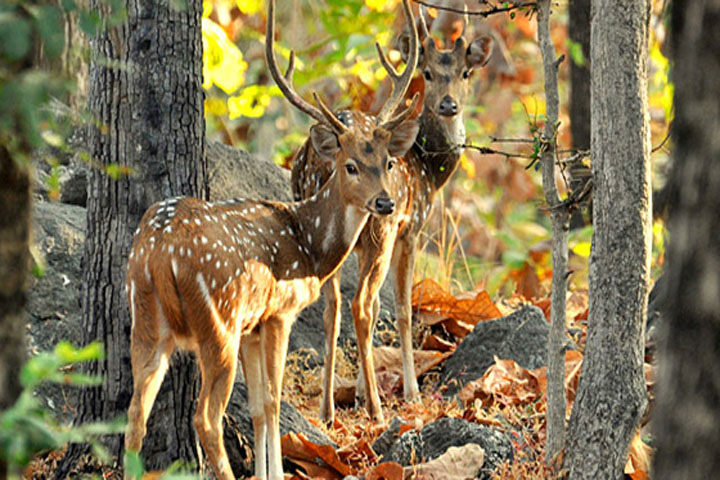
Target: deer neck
x: 439, y: 145
x: 328, y: 228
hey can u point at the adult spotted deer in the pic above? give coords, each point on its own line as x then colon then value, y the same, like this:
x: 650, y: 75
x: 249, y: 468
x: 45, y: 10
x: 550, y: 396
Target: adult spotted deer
x: 229, y: 278
x: 391, y: 243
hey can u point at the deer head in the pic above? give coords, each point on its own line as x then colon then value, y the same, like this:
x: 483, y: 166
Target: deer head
x: 447, y: 74
x: 362, y: 147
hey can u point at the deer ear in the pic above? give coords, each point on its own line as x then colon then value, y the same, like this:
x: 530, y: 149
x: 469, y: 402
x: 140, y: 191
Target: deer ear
x: 324, y: 141
x: 478, y: 53
x: 403, y: 137
x: 403, y: 45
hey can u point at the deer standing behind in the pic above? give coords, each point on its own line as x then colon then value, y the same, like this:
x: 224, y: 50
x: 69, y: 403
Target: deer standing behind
x: 228, y: 278
x: 390, y: 243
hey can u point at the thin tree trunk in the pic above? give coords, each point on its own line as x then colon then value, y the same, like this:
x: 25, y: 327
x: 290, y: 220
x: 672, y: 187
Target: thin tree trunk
x: 559, y: 219
x: 15, y: 204
x: 687, y: 419
x: 148, y: 110
x: 579, y: 32
x: 611, y: 396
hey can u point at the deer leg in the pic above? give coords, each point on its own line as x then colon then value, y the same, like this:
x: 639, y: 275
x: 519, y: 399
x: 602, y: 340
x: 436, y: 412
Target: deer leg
x: 218, y: 362
x: 360, y: 394
x: 150, y: 354
x: 403, y: 265
x: 331, y: 323
x: 374, y: 263
x: 252, y: 368
x: 273, y: 350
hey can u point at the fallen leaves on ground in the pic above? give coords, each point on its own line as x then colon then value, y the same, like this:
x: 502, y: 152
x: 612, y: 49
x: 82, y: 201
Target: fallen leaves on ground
x: 457, y: 313
x: 318, y: 461
x: 639, y: 458
x: 457, y: 463
x: 507, y: 383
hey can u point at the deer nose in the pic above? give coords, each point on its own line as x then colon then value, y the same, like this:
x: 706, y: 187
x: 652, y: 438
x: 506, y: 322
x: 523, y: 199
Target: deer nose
x: 384, y: 205
x: 448, y: 107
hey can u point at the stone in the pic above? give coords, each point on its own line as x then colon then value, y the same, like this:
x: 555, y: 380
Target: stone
x: 521, y: 336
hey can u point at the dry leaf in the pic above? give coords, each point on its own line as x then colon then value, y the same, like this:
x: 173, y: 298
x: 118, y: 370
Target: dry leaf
x: 385, y: 471
x: 433, y: 342
x: 430, y: 298
x: 457, y: 463
x: 507, y: 382
x: 298, y: 449
x: 639, y: 458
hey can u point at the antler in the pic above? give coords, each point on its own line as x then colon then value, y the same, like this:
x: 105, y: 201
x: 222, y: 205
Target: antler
x: 400, y: 82
x: 284, y: 82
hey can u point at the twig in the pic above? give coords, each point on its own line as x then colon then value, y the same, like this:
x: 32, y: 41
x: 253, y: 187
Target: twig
x: 664, y: 141
x: 481, y: 13
x: 492, y: 151
x: 511, y: 140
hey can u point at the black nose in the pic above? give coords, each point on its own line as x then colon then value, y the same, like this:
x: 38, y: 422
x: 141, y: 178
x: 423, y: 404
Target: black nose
x: 384, y: 206
x: 448, y: 107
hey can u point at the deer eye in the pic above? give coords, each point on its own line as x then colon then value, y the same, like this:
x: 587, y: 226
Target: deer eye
x: 390, y: 163
x: 427, y: 75
x: 351, y: 169
x: 466, y: 74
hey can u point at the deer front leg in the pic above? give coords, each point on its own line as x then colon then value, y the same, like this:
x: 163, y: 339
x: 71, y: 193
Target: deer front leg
x: 252, y: 369
x: 331, y: 323
x: 374, y: 263
x: 274, y: 333
x: 403, y: 265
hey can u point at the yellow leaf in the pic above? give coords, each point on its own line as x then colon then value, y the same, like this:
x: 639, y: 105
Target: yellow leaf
x: 582, y: 249
x: 223, y: 63
x: 467, y: 165
x: 207, y: 8
x: 249, y: 7
x: 251, y: 102
x: 362, y: 70
x: 381, y: 5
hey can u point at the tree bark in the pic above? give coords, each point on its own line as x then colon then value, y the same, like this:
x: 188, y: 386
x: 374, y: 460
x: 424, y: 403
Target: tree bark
x: 147, y: 101
x: 611, y: 396
x: 15, y: 205
x: 559, y: 220
x: 687, y: 419
x: 579, y: 32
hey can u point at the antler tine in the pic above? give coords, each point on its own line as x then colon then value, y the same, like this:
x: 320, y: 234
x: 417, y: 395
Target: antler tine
x: 401, y: 84
x: 386, y: 64
x: 329, y: 116
x: 402, y: 116
x: 284, y: 82
x: 423, y: 25
x: 466, y: 19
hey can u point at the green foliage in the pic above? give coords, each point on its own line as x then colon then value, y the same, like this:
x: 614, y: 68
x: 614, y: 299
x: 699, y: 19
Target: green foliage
x: 27, y: 429
x: 134, y: 468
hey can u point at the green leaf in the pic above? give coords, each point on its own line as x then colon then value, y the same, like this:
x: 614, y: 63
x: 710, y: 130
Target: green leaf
x: 514, y: 259
x: 89, y: 22
x: 69, y: 354
x: 15, y: 36
x: 576, y: 53
x: 49, y: 22
x: 133, y: 465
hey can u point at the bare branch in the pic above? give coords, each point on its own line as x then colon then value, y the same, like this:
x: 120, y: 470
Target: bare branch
x: 481, y: 13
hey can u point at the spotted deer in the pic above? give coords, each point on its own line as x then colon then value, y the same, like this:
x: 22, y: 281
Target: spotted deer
x: 228, y: 278
x: 390, y: 243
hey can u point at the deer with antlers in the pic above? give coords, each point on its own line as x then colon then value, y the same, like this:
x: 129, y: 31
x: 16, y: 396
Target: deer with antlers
x: 390, y: 243
x: 229, y: 278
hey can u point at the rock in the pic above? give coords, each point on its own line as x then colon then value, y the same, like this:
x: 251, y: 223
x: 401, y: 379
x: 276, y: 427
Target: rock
x: 238, y: 430
x: 74, y: 184
x: 435, y: 438
x: 54, y: 300
x: 521, y: 336
x: 388, y: 438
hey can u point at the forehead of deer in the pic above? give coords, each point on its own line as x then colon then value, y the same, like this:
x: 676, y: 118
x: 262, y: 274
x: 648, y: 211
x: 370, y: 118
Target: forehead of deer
x: 363, y: 142
x: 446, y: 59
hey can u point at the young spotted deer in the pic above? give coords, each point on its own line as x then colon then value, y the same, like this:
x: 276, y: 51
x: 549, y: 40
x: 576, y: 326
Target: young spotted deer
x: 391, y: 243
x: 228, y: 278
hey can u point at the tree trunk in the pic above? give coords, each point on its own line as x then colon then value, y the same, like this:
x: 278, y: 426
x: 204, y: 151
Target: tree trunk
x: 148, y: 115
x: 579, y: 32
x: 687, y: 419
x: 559, y: 218
x: 611, y: 396
x: 14, y: 261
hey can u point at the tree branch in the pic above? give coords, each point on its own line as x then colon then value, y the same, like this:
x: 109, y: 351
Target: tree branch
x: 481, y: 13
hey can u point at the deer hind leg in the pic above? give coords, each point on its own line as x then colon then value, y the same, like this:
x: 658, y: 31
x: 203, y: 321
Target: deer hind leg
x: 274, y: 334
x: 218, y: 361
x: 151, y: 345
x: 374, y: 263
x: 252, y: 369
x: 331, y: 323
x: 403, y: 264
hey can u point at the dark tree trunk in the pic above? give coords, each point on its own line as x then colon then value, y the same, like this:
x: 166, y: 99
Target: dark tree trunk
x: 611, y: 395
x: 579, y: 32
x: 149, y: 118
x: 14, y: 260
x: 687, y: 419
